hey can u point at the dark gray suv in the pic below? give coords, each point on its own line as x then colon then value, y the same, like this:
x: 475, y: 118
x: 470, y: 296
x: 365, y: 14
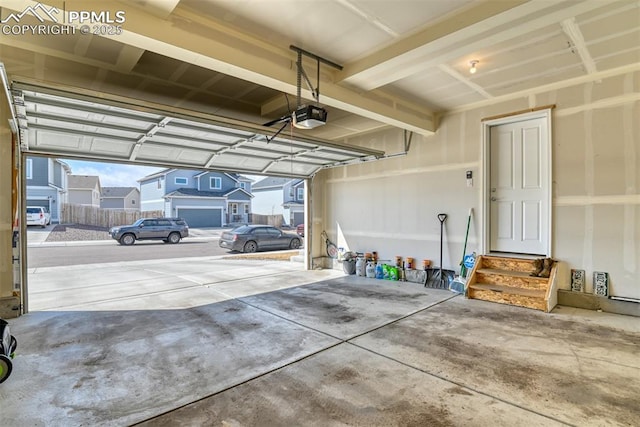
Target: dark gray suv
x: 169, y: 230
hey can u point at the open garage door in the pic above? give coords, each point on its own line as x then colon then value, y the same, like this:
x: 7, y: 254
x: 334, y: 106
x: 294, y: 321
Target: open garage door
x: 62, y: 122
x: 66, y: 124
x: 201, y: 217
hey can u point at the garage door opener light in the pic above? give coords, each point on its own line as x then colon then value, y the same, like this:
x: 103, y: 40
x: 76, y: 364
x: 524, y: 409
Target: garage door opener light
x: 305, y: 116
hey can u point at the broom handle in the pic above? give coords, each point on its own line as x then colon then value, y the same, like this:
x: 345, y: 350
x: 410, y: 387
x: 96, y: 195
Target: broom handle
x: 463, y: 269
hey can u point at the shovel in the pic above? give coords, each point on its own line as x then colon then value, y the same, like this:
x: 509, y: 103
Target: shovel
x: 438, y: 277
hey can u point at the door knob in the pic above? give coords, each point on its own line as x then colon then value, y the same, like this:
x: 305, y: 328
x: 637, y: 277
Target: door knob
x: 493, y: 199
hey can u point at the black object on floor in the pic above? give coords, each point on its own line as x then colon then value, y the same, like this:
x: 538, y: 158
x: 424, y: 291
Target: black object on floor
x: 8, y: 344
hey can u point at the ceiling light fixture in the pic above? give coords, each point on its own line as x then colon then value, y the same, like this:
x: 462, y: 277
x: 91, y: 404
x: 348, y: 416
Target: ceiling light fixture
x: 473, y: 68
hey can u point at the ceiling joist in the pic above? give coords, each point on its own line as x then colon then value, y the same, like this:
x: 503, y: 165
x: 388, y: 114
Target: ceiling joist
x: 487, y: 22
x: 189, y: 37
x: 227, y: 59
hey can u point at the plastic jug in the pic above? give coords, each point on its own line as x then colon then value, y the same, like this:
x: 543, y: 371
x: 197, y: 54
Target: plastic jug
x: 371, y: 270
x: 379, y: 271
x: 361, y: 267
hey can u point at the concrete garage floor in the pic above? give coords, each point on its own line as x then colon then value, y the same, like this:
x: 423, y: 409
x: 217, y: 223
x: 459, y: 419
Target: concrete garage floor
x: 339, y: 351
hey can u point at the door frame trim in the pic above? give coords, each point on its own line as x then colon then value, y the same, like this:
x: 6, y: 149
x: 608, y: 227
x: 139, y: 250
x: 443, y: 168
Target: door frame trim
x: 486, y: 173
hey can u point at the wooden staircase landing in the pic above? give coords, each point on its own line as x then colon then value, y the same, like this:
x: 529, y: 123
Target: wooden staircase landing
x: 509, y: 281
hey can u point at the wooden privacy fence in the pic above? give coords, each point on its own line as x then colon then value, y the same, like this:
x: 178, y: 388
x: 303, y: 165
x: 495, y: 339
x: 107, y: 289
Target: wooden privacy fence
x: 275, y: 220
x: 90, y: 215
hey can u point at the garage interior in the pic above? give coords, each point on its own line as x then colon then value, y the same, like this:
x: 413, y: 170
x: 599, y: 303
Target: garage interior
x: 407, y: 121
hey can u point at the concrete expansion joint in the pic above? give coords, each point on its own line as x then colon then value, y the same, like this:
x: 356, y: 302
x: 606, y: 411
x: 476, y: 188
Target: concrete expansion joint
x: 166, y: 292
x: 339, y: 342
x: 248, y: 380
x: 463, y: 386
x: 391, y: 322
x: 349, y: 341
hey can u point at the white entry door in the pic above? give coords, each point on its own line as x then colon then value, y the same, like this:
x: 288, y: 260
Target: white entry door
x: 519, y: 187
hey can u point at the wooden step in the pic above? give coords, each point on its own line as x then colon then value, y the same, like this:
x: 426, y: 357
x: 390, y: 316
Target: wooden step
x: 517, y: 279
x: 524, y: 265
x: 529, y: 298
x: 534, y: 293
x: 509, y: 281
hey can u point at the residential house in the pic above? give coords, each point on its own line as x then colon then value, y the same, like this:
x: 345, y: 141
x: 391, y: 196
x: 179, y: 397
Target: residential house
x: 46, y: 182
x: 280, y: 196
x: 203, y: 199
x: 84, y: 190
x: 293, y: 196
x: 121, y: 198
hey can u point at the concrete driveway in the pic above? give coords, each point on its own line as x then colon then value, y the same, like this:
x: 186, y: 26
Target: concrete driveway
x: 159, y: 284
x: 38, y: 235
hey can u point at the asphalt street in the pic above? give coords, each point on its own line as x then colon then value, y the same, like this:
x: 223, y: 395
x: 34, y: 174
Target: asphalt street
x: 44, y: 253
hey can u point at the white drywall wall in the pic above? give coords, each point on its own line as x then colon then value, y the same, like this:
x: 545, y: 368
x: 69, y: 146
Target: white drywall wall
x: 391, y: 206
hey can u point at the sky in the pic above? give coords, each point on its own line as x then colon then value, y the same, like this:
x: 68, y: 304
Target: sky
x: 112, y: 174
x: 116, y: 174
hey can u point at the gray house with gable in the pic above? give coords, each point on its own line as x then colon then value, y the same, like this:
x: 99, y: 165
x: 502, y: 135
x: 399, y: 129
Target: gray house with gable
x: 120, y: 198
x: 285, y: 196
x: 203, y: 199
x: 84, y: 190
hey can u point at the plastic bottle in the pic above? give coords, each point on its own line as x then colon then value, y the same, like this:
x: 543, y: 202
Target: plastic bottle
x: 361, y: 267
x: 370, y: 270
x: 385, y: 271
x: 379, y: 271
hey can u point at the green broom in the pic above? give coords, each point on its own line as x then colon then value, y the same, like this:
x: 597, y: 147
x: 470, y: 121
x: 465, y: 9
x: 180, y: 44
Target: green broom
x: 457, y: 285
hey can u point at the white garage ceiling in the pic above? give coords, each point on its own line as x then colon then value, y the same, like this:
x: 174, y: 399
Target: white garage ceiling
x: 405, y: 62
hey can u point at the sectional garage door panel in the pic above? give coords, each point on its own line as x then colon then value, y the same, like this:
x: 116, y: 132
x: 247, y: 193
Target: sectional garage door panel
x: 197, y: 218
x: 40, y: 203
x: 65, y: 124
x: 298, y: 218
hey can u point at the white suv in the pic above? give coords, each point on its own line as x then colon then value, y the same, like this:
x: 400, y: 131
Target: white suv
x: 37, y: 215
